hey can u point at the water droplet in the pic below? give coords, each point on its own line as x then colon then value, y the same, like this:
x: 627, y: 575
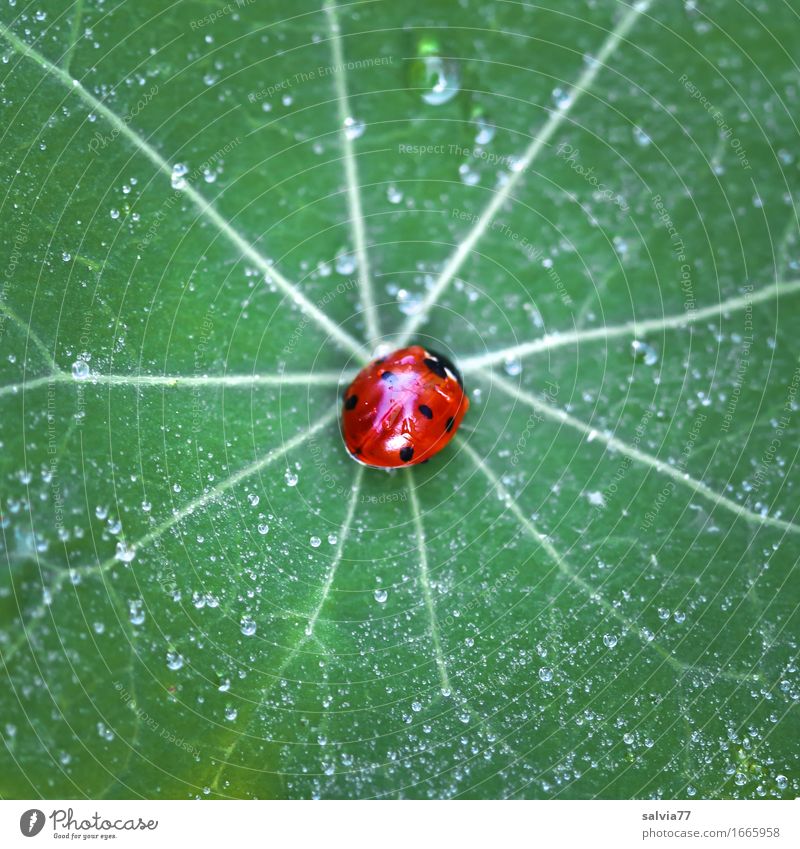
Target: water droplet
x: 80, y: 369
x: 416, y: 707
x: 609, y: 640
x: 290, y: 477
x: 353, y: 128
x: 545, y: 674
x: 641, y: 137
x: 782, y: 782
x: 125, y: 553
x: 596, y: 499
x: 231, y: 713
x: 485, y: 133
x: 315, y: 542
x: 253, y: 499
x: 679, y: 616
x: 628, y: 738
x: 468, y: 176
x: 136, y: 609
x: 438, y: 78
x: 174, y: 660
x: 407, y: 302
x: 114, y: 214
x: 345, y: 263
x: 178, y: 176
x: 393, y: 194
x: 247, y: 626
x: 561, y: 98
x: 380, y: 596
x: 263, y: 528
x: 512, y: 366
x: 644, y: 353
x: 333, y: 538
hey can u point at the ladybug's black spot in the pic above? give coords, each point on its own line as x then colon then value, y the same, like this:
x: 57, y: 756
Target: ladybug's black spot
x: 351, y: 402
x: 406, y: 453
x: 388, y: 376
x: 380, y: 361
x: 435, y: 366
x: 449, y: 426
x: 445, y: 364
x: 426, y: 411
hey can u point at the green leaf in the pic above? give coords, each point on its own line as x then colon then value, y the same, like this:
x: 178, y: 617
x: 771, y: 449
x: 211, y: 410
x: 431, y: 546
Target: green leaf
x: 213, y: 214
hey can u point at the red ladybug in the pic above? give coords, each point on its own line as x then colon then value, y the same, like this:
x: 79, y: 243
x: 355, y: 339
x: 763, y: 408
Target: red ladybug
x: 403, y: 408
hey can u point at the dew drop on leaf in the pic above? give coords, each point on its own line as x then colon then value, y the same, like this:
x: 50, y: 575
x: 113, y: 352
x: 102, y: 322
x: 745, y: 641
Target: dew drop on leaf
x: 345, y: 263
x: 644, y: 353
x: 641, y: 137
x: 438, y: 78
x: 353, y: 128
x: 80, y: 369
x: 174, y: 660
x: 393, y: 194
x: 178, y: 176
x: 125, y: 553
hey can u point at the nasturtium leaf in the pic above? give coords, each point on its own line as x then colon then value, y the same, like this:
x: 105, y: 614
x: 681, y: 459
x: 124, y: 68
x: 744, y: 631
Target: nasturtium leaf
x: 214, y: 214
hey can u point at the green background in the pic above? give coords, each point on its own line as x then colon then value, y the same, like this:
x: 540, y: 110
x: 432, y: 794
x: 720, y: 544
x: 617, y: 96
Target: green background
x: 592, y: 592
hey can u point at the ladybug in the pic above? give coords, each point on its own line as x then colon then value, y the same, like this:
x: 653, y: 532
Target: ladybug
x: 403, y: 408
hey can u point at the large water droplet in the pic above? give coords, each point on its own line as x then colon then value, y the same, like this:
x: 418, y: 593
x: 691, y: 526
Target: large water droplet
x: 125, y: 553
x: 545, y: 674
x: 380, y: 596
x: 437, y: 77
x: 247, y: 626
x: 80, y: 369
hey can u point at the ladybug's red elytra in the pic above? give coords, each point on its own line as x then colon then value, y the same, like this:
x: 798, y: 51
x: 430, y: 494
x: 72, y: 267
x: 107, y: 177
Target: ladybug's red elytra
x: 403, y: 408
